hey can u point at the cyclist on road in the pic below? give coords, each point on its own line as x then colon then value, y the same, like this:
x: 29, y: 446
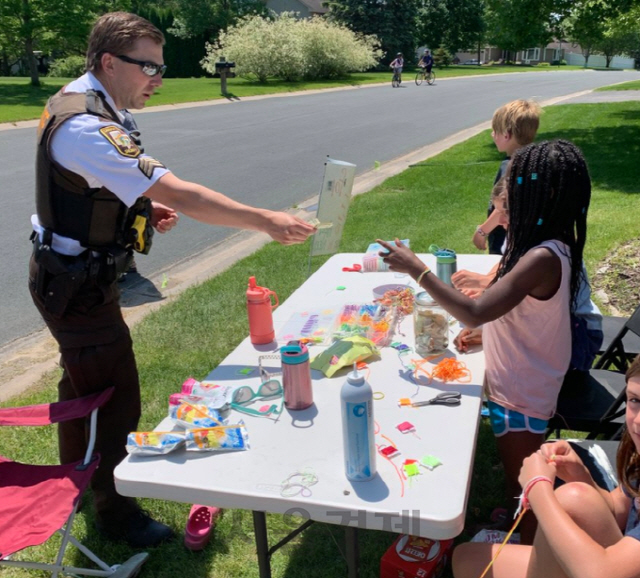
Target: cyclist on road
x: 397, y: 65
x: 426, y: 62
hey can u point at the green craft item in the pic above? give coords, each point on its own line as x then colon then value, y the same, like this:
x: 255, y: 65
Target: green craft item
x: 344, y: 353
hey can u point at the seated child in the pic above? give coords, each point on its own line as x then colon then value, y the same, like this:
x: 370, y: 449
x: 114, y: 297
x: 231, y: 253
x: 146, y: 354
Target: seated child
x: 583, y: 530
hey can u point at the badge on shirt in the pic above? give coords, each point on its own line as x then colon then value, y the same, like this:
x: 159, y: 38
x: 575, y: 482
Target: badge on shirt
x: 148, y: 164
x: 121, y: 141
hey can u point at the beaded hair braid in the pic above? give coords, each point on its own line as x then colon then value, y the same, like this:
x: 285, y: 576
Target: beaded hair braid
x: 549, y: 190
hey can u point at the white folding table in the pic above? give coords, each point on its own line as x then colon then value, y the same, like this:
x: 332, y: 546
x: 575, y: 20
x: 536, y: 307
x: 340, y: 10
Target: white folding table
x: 430, y: 505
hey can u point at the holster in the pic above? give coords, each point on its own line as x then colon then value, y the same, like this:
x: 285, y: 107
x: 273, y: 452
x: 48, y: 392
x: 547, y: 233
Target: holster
x: 58, y: 278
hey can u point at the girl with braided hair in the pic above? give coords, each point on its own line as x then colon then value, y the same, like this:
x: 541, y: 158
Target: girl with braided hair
x: 525, y: 309
x: 584, y: 531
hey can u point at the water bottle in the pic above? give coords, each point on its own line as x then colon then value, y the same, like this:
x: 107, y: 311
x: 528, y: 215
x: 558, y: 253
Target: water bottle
x: 296, y: 375
x: 356, y: 399
x: 446, y: 263
x: 259, y: 308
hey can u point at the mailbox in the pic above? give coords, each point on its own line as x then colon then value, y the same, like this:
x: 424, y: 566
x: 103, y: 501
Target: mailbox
x: 224, y: 67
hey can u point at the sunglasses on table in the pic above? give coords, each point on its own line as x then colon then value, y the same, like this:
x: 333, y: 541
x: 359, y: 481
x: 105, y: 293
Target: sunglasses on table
x: 244, y: 395
x: 149, y: 68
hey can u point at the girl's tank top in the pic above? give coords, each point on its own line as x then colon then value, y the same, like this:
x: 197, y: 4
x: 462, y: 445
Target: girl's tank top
x: 527, y: 351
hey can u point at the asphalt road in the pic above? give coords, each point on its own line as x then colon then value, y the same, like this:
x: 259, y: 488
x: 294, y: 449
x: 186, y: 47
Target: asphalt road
x: 269, y: 153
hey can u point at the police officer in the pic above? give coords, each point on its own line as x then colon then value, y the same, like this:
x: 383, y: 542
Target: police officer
x: 98, y: 196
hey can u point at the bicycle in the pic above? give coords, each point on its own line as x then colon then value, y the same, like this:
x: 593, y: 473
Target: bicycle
x: 429, y: 77
x: 396, y: 79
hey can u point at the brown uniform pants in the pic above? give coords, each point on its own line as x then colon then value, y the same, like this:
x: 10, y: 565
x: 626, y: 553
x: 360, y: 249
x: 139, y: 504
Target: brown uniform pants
x: 96, y: 353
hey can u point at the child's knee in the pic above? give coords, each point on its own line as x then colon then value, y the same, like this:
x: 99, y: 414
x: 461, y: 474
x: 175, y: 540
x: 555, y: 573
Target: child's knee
x: 577, y: 498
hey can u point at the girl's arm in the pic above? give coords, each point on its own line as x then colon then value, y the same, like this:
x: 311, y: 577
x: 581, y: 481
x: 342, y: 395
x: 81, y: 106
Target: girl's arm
x: 538, y: 273
x: 576, y: 551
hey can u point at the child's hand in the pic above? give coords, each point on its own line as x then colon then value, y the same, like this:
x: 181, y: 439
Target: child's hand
x: 536, y: 465
x: 472, y: 293
x: 401, y: 259
x: 467, y: 338
x: 568, y: 464
x: 464, y: 279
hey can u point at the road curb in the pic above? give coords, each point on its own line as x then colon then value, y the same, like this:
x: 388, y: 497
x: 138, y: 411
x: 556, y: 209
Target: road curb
x: 24, y: 361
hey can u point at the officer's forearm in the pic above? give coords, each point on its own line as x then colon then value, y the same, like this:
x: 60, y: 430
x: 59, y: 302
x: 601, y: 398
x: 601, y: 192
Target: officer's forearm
x: 207, y: 205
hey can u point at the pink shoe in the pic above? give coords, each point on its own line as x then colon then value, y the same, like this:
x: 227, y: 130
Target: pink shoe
x: 201, y: 521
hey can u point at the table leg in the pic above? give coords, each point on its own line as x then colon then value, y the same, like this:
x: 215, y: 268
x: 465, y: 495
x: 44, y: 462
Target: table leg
x: 262, y: 543
x: 353, y: 551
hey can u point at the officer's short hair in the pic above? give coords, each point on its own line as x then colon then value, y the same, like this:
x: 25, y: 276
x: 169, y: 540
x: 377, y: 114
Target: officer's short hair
x: 116, y: 33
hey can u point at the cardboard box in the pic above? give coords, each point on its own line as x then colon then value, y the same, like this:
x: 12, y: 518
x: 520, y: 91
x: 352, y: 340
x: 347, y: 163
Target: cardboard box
x: 414, y: 557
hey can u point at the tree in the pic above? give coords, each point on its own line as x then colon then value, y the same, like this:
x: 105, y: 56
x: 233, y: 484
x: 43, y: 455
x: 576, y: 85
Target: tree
x: 209, y: 17
x: 620, y: 36
x: 455, y: 24
x: 519, y: 24
x: 29, y: 25
x: 393, y: 22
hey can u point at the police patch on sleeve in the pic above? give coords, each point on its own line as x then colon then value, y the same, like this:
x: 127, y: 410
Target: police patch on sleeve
x: 121, y: 141
x: 148, y: 164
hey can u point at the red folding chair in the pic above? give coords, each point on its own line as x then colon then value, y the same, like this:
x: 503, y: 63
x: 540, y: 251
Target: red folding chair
x: 38, y: 501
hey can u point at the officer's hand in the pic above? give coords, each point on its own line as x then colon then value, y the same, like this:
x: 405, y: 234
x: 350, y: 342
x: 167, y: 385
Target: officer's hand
x: 163, y: 218
x: 287, y: 229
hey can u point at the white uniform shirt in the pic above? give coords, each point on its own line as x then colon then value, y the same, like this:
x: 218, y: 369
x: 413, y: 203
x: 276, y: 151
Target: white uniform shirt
x: 80, y: 146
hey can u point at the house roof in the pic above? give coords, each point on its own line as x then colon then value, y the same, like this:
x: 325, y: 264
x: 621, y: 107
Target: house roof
x: 314, y: 6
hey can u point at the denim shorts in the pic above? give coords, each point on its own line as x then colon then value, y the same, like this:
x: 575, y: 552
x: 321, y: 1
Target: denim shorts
x: 505, y: 420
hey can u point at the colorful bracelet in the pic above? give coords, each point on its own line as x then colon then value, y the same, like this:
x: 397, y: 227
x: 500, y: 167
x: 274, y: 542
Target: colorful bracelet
x: 480, y: 231
x: 427, y: 270
x: 532, y: 482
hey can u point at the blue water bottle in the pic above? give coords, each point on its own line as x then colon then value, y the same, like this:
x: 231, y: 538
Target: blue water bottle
x: 356, y: 399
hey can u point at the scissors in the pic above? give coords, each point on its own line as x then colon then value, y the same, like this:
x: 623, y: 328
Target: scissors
x: 445, y: 398
x: 355, y: 269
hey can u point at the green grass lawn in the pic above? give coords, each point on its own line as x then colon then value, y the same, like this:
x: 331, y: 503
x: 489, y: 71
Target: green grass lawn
x: 21, y: 101
x: 440, y: 202
x: 633, y: 85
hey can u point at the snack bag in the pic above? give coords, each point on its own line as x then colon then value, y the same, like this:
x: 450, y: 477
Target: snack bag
x: 216, y: 439
x: 217, y: 396
x: 344, y: 353
x: 153, y: 443
x: 193, y: 412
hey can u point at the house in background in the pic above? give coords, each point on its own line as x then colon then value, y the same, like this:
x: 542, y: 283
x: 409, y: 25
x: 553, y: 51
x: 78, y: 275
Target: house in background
x: 553, y: 52
x: 305, y: 8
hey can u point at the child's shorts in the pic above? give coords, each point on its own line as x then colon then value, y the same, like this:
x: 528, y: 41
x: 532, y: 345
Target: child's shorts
x: 505, y: 420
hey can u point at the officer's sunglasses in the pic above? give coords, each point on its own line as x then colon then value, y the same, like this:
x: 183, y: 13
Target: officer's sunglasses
x: 149, y: 68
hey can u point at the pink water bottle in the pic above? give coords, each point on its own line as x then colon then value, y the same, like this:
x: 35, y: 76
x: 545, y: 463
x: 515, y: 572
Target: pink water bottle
x: 296, y: 375
x: 259, y: 309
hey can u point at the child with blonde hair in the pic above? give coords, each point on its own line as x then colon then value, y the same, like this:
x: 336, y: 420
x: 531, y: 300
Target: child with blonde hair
x: 513, y: 126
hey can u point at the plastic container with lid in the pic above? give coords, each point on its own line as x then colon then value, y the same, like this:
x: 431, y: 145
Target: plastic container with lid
x: 446, y: 263
x: 296, y: 375
x: 259, y: 308
x: 431, y: 326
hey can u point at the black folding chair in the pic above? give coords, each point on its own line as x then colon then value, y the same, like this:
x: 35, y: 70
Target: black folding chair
x: 621, y: 342
x: 596, y: 404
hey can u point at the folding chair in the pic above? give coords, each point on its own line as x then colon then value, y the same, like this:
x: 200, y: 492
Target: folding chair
x: 621, y: 342
x: 37, y: 501
x: 595, y: 407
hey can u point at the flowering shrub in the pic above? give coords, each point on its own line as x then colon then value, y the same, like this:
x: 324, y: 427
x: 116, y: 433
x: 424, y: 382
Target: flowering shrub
x: 71, y: 67
x: 292, y: 49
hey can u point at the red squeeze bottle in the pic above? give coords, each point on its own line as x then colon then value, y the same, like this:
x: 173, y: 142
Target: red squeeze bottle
x: 259, y: 310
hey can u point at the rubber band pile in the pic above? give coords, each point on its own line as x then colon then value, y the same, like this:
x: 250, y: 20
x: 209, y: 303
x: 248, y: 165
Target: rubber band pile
x: 401, y: 299
x: 447, y: 370
x: 299, y: 483
x: 371, y: 320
